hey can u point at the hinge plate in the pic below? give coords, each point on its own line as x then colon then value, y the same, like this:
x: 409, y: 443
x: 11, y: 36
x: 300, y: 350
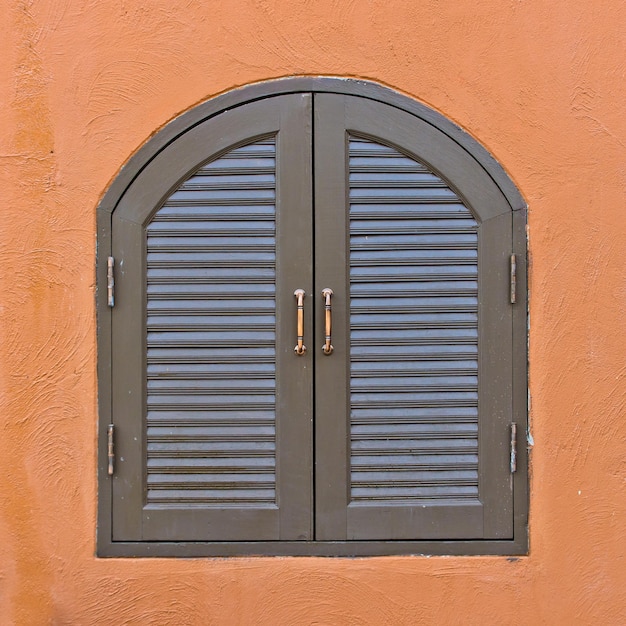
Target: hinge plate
x: 110, y: 282
x: 110, y: 451
x: 513, y: 294
x: 513, y: 448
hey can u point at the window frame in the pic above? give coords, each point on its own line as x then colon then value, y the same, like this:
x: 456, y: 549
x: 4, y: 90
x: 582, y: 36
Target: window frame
x: 202, y: 113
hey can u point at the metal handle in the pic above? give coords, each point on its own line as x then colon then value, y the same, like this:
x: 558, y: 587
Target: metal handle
x: 300, y: 348
x: 327, y: 348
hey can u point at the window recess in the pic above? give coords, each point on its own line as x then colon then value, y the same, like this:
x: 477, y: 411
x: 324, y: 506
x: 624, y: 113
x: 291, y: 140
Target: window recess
x: 312, y: 340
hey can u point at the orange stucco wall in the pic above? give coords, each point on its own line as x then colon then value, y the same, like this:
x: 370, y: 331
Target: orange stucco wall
x: 540, y: 83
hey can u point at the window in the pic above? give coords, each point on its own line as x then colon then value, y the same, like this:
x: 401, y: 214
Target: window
x: 227, y: 233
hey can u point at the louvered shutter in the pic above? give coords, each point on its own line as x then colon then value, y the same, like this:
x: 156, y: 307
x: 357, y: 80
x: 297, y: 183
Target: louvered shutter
x: 414, y: 444
x: 214, y: 441
x: 413, y: 332
x: 227, y: 439
x: 211, y: 338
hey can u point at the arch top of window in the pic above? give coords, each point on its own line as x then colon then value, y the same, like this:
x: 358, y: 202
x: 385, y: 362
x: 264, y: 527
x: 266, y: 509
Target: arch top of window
x: 319, y: 84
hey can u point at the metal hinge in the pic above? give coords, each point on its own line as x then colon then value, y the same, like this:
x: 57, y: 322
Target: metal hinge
x: 513, y: 448
x: 110, y: 451
x: 513, y: 279
x: 110, y: 282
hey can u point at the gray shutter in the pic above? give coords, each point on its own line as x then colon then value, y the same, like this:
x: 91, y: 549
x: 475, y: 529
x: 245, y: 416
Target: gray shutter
x: 414, y: 333
x: 213, y: 410
x: 212, y: 440
x: 412, y: 434
x: 211, y: 341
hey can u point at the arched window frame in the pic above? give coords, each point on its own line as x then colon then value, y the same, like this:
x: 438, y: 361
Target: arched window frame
x: 372, y: 92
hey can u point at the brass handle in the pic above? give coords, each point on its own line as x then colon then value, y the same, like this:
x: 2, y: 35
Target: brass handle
x: 327, y: 348
x: 300, y: 348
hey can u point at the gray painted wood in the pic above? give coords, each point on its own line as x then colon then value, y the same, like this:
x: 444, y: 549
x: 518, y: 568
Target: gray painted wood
x: 448, y: 162
x: 331, y: 372
x: 211, y: 336
x: 207, y: 452
x: 414, y: 333
x: 409, y: 446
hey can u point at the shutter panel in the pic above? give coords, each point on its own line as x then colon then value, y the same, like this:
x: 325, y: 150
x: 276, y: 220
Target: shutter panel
x: 414, y: 333
x: 211, y: 444
x: 420, y: 314
x: 211, y: 275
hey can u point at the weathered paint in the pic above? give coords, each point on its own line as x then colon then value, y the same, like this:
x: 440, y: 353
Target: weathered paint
x: 541, y: 84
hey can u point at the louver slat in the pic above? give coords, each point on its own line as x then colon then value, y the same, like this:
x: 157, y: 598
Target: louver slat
x: 211, y: 427
x: 414, y: 333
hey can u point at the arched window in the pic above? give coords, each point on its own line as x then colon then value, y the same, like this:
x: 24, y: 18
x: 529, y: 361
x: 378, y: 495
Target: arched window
x: 316, y: 343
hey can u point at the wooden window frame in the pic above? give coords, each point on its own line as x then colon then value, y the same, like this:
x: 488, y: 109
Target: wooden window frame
x: 518, y: 545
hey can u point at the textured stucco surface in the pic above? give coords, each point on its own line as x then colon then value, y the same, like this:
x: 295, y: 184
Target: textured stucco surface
x: 540, y: 84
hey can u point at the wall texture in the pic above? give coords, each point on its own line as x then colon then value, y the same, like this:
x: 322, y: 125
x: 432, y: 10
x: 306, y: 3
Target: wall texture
x: 84, y: 83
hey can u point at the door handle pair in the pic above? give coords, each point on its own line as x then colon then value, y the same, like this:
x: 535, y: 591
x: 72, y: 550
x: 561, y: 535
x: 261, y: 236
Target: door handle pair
x: 327, y: 348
